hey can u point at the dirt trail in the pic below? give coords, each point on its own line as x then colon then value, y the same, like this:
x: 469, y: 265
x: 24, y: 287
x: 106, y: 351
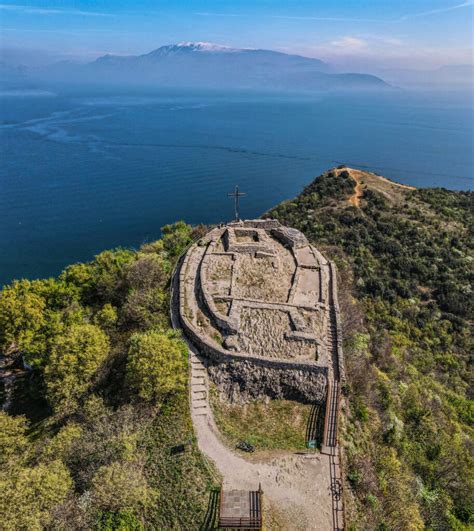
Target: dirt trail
x: 354, y: 199
x: 297, y: 484
x: 376, y: 182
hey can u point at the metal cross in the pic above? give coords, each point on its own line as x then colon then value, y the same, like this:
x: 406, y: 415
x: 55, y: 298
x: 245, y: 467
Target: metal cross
x: 237, y: 195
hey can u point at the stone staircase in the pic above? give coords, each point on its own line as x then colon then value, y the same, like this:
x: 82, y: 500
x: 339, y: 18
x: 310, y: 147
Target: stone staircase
x: 199, y: 387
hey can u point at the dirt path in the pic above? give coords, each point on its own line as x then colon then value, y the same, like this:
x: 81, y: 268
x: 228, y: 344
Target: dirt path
x: 296, y: 484
x: 388, y: 188
x: 354, y: 199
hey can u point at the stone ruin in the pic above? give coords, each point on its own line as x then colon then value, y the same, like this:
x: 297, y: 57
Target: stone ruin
x: 258, y: 301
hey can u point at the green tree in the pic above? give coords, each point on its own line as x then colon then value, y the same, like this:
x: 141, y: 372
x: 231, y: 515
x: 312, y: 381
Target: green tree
x: 21, y: 316
x: 74, y: 359
x: 106, y: 317
x: 176, y: 237
x: 29, y: 495
x: 62, y: 444
x: 145, y: 308
x: 13, y: 441
x: 156, y: 364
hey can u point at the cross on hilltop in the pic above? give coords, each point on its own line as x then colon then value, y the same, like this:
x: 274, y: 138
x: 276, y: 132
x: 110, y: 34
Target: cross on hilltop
x: 237, y: 195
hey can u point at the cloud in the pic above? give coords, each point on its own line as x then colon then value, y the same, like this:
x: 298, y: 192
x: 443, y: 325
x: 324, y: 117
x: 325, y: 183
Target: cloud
x: 327, y: 19
x: 366, y: 51
x: 31, y: 10
x: 350, y: 44
x: 403, y: 18
x: 437, y: 11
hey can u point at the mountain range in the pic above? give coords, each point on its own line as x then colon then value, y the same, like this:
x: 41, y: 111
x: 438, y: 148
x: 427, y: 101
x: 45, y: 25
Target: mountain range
x: 207, y: 65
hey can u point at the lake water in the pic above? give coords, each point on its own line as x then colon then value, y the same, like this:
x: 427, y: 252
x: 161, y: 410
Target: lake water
x: 81, y: 173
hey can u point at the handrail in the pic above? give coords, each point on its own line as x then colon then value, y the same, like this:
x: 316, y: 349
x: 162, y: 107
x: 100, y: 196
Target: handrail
x: 327, y: 412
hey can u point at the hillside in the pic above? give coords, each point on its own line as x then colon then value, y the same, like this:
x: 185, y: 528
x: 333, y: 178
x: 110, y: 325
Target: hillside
x: 98, y: 435
x: 208, y: 65
x: 406, y: 256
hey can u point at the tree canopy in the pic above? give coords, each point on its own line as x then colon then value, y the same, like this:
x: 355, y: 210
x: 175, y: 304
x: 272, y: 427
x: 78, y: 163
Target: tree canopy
x: 157, y: 364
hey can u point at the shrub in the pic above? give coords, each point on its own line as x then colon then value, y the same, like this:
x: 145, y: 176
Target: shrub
x: 156, y: 364
x: 75, y: 357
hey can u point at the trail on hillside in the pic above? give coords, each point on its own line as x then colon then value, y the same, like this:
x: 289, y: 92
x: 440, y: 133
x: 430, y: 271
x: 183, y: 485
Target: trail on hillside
x: 381, y: 184
x: 354, y: 199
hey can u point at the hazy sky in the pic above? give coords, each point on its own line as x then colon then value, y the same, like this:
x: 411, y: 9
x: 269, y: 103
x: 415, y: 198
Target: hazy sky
x: 362, y: 33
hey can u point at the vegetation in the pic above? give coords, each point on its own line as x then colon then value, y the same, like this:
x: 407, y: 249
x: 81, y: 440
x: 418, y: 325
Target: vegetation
x: 408, y: 256
x: 156, y: 364
x: 88, y: 444
x: 278, y: 424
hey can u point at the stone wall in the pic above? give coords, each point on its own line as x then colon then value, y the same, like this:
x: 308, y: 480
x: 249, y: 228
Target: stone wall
x: 242, y: 377
x: 241, y: 381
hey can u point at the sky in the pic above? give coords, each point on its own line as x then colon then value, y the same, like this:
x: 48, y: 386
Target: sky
x: 362, y: 34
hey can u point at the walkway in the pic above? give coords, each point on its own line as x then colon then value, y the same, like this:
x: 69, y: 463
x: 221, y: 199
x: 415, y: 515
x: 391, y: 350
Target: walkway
x: 291, y: 482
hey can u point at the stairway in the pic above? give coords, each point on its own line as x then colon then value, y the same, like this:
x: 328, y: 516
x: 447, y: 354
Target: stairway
x: 199, y: 390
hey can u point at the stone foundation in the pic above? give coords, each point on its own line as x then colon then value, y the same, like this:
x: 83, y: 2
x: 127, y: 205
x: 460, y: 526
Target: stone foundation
x: 257, y: 300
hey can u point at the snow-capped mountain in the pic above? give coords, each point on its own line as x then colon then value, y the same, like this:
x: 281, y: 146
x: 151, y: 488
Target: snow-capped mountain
x: 195, y: 47
x: 204, y: 64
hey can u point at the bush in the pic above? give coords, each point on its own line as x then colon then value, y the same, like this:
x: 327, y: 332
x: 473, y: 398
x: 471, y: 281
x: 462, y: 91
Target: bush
x: 157, y: 364
x: 75, y: 358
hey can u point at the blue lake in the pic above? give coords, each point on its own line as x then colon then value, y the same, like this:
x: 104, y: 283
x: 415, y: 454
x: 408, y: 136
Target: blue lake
x: 81, y: 173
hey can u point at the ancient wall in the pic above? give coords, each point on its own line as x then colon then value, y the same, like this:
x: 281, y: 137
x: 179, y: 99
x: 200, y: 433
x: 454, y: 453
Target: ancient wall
x: 241, y: 381
x: 337, y: 316
x: 243, y: 375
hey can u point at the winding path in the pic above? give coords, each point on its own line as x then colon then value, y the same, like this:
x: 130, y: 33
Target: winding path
x: 354, y: 199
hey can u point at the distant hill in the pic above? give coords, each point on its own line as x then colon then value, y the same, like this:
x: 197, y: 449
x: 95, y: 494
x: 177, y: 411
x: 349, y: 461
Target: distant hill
x: 210, y: 65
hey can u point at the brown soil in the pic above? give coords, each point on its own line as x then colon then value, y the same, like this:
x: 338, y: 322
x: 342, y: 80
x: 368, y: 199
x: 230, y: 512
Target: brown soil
x: 392, y: 190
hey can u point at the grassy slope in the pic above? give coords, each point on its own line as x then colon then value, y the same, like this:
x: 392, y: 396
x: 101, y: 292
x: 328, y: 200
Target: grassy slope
x: 278, y: 424
x: 406, y: 256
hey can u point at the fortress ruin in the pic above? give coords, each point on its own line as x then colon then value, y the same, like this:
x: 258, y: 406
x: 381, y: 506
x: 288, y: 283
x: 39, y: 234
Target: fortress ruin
x: 259, y: 303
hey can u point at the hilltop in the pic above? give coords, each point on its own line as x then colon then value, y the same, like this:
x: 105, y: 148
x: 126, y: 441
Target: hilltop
x: 98, y: 431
